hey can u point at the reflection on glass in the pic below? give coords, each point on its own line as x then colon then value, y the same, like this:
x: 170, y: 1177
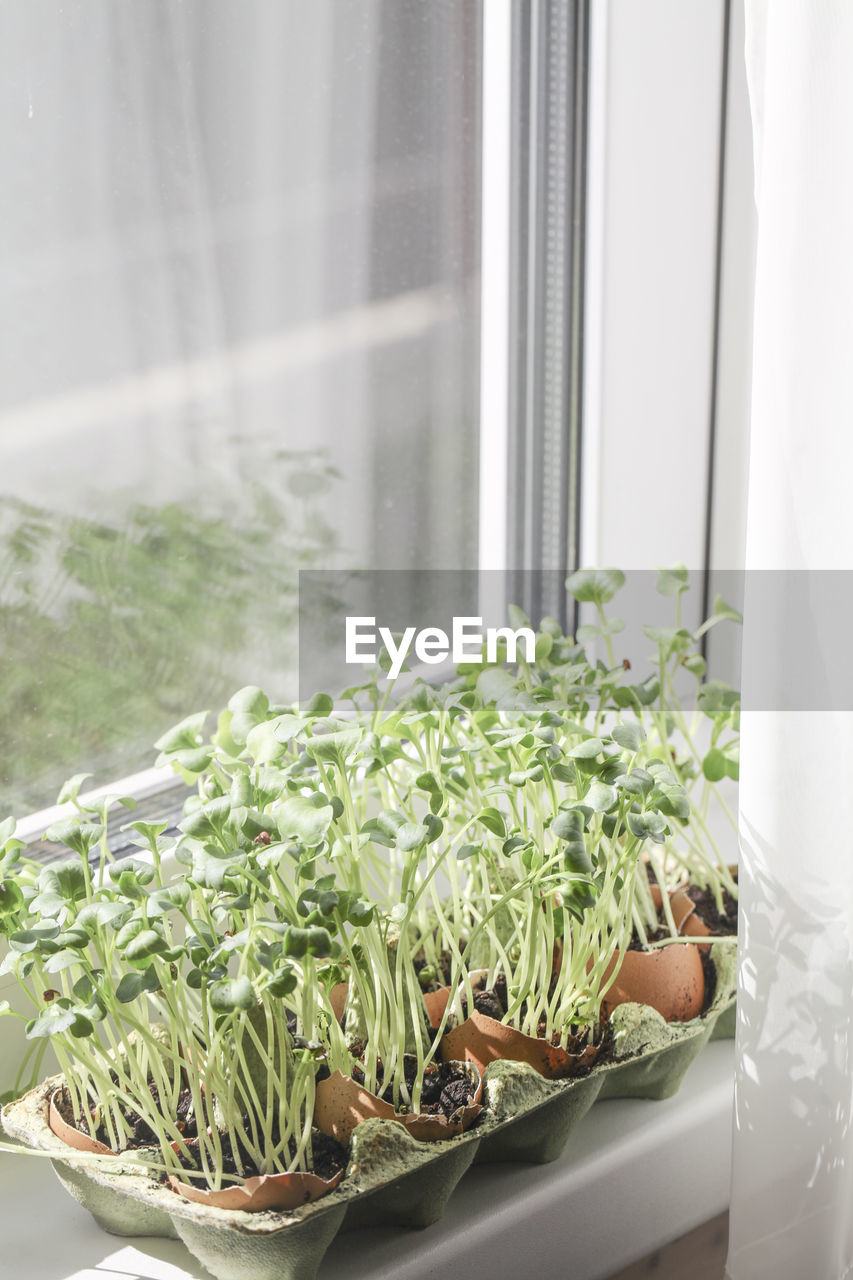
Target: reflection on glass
x: 239, y: 303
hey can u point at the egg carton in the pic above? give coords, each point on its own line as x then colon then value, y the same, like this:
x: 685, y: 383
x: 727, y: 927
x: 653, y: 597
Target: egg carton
x: 391, y: 1178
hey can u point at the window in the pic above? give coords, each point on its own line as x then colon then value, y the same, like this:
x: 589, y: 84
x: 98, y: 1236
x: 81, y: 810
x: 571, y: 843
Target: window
x: 240, y: 310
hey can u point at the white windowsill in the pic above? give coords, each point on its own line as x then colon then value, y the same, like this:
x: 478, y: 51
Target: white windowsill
x: 635, y: 1175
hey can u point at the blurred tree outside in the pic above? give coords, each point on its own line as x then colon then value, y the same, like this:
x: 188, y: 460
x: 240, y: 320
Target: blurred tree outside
x: 112, y: 628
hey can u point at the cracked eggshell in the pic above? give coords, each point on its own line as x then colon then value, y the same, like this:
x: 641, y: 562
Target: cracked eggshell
x: 69, y: 1135
x: 341, y: 1104
x: 271, y: 1191
x: 481, y: 1040
x: 669, y: 979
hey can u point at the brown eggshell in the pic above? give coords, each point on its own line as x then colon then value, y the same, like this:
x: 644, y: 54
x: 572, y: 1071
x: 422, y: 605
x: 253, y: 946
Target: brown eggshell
x: 341, y: 1104
x: 272, y: 1191
x: 687, y: 919
x: 436, y: 1003
x: 481, y: 1040
x: 338, y: 999
x: 683, y: 909
x: 669, y: 979
x: 69, y: 1135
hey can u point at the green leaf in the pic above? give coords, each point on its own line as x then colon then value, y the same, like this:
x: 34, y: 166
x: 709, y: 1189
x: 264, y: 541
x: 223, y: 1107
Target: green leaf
x: 714, y: 765
x: 320, y: 705
x: 674, y: 801
x: 467, y: 851
x: 79, y: 836
x: 494, y: 820
x: 717, y: 699
x: 249, y: 700
x: 263, y: 742
x: 356, y: 909
x: 337, y: 747
x: 315, y: 941
x: 695, y: 664
x: 411, y: 835
x: 302, y: 818
x: 148, y: 830
x: 567, y: 824
x: 590, y: 632
x: 671, y: 582
x: 434, y: 826
x: 283, y: 982
x: 629, y: 736
x: 495, y: 683
x: 133, y: 985
x: 56, y: 1019
x: 193, y: 759
x: 520, y: 777
x: 544, y: 645
x: 232, y: 994
x: 66, y: 879
x: 722, y: 612
x: 129, y: 931
x: 94, y: 914
x: 39, y: 938
x: 600, y: 797
x: 145, y: 946
x: 71, y: 789
x: 636, y: 783
x: 184, y: 734
x: 60, y: 961
x: 11, y: 898
x: 131, y: 872
x: 595, y: 586
x: 576, y: 860
x: 73, y: 938
x: 209, y: 868
x: 670, y: 639
x: 208, y: 820
x: 647, y: 826
x: 647, y: 691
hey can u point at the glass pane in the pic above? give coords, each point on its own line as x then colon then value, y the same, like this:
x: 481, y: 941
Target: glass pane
x: 239, y: 305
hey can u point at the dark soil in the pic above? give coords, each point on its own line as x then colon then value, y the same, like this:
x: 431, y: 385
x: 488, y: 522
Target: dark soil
x: 329, y: 1158
x: 657, y: 936
x: 493, y: 1002
x: 442, y: 977
x: 446, y: 1087
x: 142, y: 1135
x: 721, y: 925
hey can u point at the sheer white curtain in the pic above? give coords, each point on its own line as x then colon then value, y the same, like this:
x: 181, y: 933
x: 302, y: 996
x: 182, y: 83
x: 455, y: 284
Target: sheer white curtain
x: 792, y: 1196
x: 184, y: 187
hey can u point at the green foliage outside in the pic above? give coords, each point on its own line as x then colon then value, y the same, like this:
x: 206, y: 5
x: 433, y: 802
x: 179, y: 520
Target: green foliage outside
x: 111, y: 626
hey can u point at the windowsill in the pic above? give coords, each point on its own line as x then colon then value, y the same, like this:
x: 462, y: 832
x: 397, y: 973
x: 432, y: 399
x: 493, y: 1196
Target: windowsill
x: 634, y: 1176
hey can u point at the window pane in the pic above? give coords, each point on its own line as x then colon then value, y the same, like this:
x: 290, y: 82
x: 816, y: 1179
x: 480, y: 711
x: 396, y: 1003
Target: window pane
x: 239, y: 306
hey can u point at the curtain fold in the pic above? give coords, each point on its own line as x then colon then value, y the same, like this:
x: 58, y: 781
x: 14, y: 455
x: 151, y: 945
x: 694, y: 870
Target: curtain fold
x: 792, y: 1187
